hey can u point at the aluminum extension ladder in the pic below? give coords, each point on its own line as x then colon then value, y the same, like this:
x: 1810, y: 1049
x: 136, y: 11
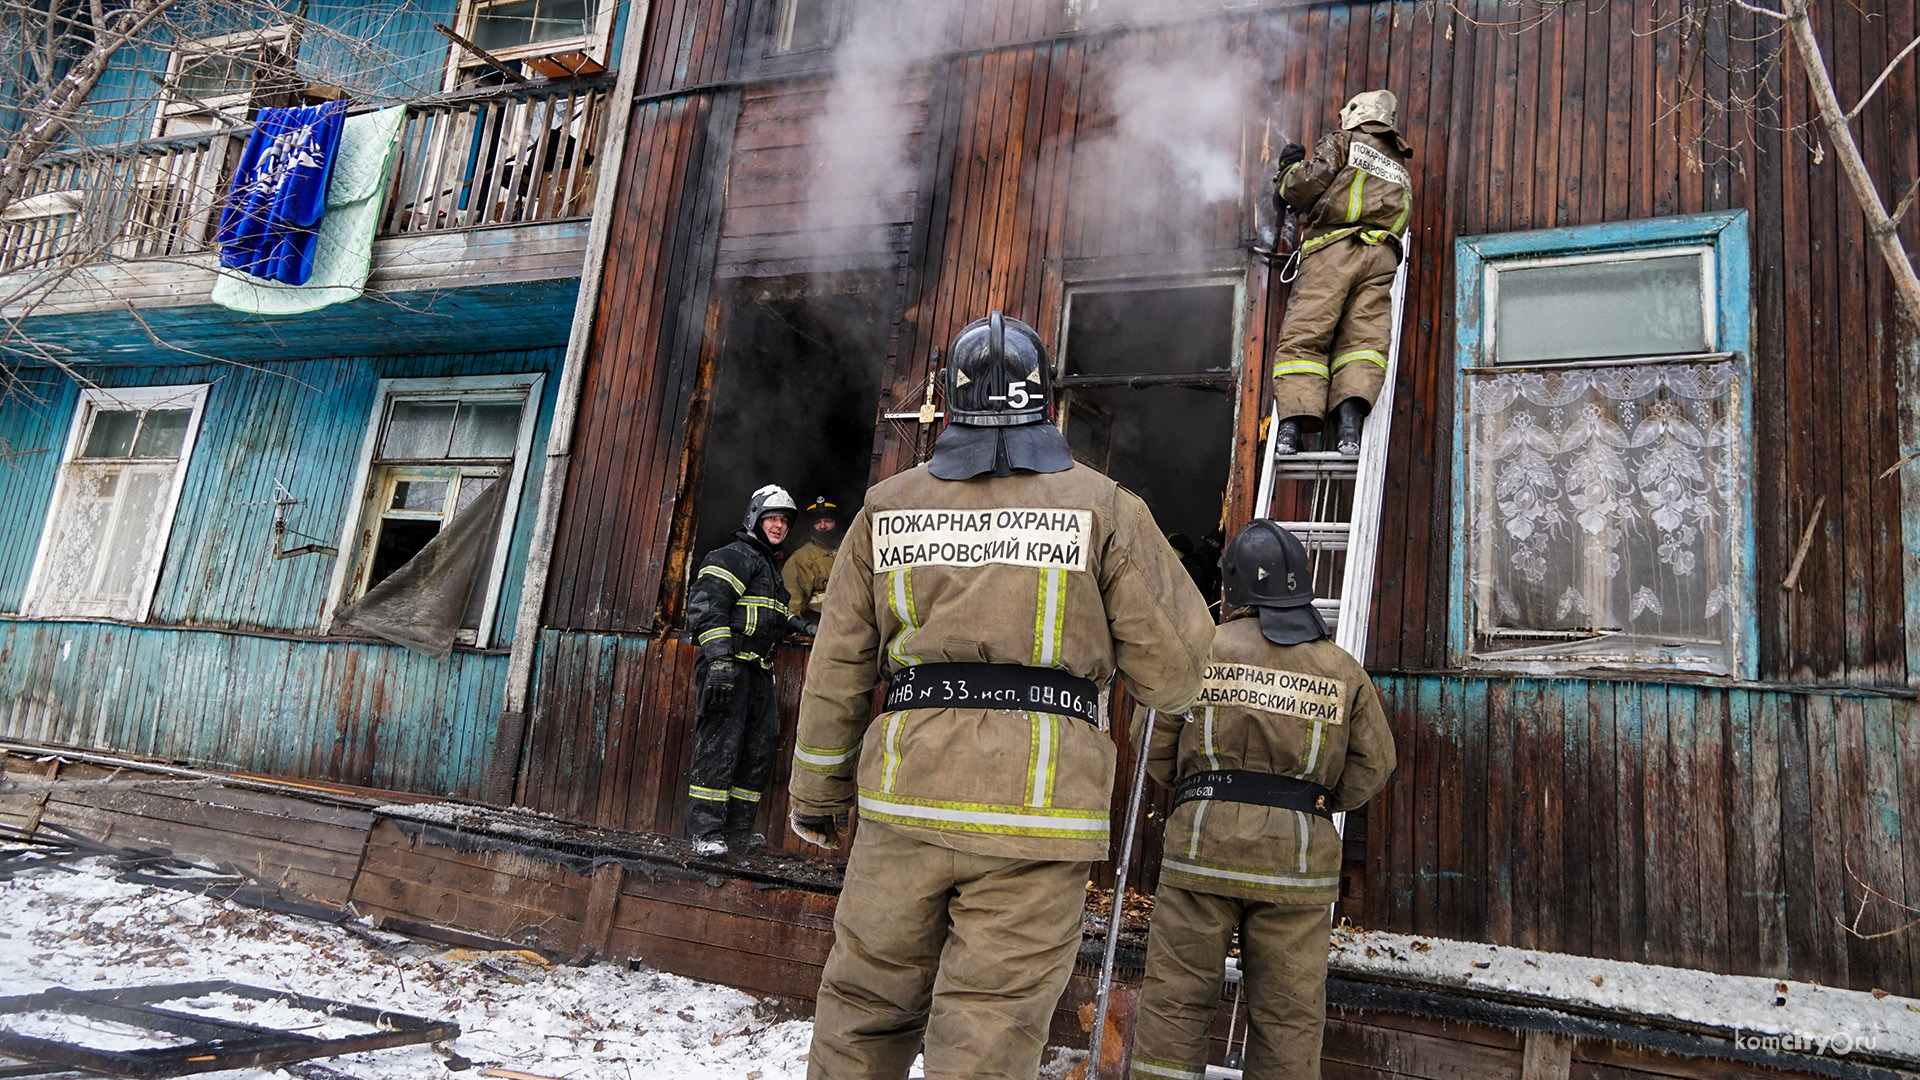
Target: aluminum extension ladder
x: 1343, y: 497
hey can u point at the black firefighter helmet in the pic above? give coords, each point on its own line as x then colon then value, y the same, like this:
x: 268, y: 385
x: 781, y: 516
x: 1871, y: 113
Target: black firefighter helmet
x: 1265, y: 567
x: 999, y: 401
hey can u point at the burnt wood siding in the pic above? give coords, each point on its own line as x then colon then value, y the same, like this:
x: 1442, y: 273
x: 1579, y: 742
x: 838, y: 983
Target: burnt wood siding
x: 1681, y: 821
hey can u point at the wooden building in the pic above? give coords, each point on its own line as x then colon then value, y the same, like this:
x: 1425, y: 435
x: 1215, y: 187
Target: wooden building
x: 1729, y: 789
x: 1653, y: 686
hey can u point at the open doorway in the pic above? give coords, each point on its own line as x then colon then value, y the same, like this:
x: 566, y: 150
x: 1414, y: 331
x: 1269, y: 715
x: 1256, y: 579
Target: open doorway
x: 794, y: 400
x: 1148, y: 382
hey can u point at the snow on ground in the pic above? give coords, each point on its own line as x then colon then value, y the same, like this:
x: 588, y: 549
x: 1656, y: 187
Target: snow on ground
x: 1811, y: 1018
x: 87, y: 931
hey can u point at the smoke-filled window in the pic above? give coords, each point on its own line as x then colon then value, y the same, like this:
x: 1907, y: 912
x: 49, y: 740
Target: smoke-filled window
x: 794, y: 400
x: 1148, y: 382
x: 802, y: 25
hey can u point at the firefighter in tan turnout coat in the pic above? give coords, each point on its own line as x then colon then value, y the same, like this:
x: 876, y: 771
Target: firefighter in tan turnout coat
x: 1354, y: 196
x: 995, y: 590
x: 1287, y: 730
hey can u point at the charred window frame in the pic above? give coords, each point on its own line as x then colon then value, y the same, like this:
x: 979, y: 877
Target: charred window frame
x: 432, y: 446
x: 801, y: 26
x: 217, y: 82
x: 1149, y: 377
x: 114, y: 503
x: 1602, y: 502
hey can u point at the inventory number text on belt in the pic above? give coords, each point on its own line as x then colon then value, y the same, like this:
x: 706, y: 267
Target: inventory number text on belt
x: 994, y: 686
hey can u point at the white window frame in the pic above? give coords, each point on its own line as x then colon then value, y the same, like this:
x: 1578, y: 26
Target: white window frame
x: 244, y: 43
x: 346, y: 568
x: 191, y: 395
x: 461, y: 63
x: 1721, y: 239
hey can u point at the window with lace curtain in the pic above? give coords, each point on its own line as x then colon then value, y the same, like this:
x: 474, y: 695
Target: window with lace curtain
x: 113, y: 503
x: 1603, y: 437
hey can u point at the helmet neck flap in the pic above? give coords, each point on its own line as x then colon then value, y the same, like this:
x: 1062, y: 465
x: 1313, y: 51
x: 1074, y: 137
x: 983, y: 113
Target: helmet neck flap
x: 1266, y: 568
x: 999, y: 400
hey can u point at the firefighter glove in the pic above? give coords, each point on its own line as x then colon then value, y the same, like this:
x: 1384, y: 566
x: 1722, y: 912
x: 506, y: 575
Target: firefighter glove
x: 804, y: 625
x: 717, y: 693
x: 1292, y: 154
x: 820, y: 830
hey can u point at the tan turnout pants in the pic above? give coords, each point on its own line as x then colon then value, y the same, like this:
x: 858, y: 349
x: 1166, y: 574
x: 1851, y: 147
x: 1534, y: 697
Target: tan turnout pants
x: 1334, y: 340
x: 1283, y: 953
x: 969, y: 952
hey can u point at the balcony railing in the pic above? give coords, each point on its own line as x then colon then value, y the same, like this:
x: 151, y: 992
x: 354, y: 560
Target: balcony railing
x: 518, y: 155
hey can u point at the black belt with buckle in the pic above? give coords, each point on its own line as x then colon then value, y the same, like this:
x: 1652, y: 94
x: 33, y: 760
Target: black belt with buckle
x: 1259, y: 788
x: 994, y: 686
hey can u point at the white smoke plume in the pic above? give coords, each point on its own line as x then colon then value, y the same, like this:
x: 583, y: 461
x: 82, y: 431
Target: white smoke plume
x: 861, y: 135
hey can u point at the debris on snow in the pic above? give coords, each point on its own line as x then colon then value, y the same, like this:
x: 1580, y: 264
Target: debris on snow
x: 1817, y: 1018
x: 84, y: 929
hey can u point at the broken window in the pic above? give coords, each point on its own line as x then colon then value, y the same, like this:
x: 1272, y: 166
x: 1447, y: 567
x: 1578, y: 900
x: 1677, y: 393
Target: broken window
x: 113, y: 504
x: 1604, y: 512
x: 803, y: 25
x: 522, y: 32
x: 215, y: 83
x: 794, y: 401
x: 1148, y: 381
x: 444, y: 466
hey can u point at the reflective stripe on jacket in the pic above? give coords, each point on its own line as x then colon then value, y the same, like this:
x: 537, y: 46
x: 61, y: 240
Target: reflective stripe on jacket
x: 1307, y: 711
x: 1355, y: 184
x: 1064, y: 570
x: 737, y: 605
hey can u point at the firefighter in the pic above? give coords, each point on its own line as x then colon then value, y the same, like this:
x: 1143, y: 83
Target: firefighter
x: 1287, y: 730
x: 1354, y: 197
x: 737, y: 612
x: 807, y: 570
x: 994, y: 590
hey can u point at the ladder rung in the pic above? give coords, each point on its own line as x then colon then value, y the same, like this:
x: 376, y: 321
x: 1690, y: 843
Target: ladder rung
x: 1316, y: 464
x: 1319, y: 533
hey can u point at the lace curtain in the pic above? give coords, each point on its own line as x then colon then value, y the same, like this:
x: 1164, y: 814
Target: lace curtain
x: 1602, y: 506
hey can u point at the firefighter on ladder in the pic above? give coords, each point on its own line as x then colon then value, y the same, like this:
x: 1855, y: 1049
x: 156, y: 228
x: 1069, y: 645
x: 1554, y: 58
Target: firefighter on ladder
x: 995, y: 590
x: 737, y: 613
x: 1287, y: 730
x: 1355, y: 197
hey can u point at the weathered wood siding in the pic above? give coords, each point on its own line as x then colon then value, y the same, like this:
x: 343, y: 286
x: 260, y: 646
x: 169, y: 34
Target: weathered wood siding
x: 1665, y: 789
x: 231, y: 667
x: 1735, y: 830
x: 630, y: 443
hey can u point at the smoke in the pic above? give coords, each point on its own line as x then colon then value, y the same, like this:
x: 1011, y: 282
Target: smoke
x: 863, y: 179
x: 1166, y: 109
x: 1182, y: 116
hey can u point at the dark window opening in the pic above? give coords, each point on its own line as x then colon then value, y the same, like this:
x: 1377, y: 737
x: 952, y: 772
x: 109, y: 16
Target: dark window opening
x: 400, y: 540
x: 1148, y: 398
x: 794, y: 402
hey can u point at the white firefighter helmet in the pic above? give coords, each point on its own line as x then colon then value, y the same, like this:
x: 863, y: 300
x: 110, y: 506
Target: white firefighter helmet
x: 1372, y: 106
x: 772, y: 499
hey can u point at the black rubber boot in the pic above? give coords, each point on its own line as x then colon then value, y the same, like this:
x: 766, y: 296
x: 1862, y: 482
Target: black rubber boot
x: 1286, y: 437
x: 1349, y: 417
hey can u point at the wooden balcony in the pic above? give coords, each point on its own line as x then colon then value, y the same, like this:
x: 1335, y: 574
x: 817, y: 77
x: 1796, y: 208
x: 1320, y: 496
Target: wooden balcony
x: 110, y: 252
x: 517, y: 156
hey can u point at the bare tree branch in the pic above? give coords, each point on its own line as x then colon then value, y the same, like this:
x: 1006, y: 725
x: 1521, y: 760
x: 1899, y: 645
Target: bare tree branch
x: 1883, y: 230
x: 1877, y: 83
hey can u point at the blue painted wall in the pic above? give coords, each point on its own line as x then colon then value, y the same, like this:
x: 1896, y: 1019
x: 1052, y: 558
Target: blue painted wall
x: 230, y: 668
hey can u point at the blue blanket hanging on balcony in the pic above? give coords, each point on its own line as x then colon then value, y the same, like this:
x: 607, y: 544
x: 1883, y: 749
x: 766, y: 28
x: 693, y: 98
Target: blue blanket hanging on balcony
x: 279, y: 195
